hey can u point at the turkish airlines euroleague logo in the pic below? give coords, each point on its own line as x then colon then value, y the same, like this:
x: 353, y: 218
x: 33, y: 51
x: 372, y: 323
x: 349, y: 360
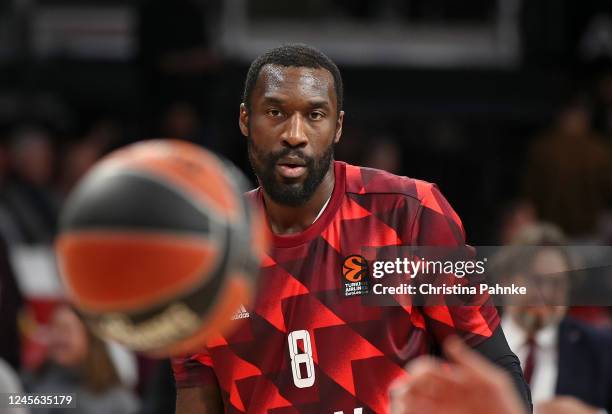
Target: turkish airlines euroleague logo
x: 354, y: 268
x: 355, y: 275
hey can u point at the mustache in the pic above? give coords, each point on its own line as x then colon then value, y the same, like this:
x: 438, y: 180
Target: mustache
x: 273, y: 158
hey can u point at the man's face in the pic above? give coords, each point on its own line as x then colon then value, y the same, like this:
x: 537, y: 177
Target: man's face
x: 548, y: 283
x: 292, y: 126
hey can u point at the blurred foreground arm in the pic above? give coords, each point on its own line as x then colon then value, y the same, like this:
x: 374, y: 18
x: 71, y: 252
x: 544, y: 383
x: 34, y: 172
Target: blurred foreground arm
x: 468, y: 385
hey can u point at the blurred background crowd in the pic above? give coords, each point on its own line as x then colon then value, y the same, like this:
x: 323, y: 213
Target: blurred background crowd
x: 505, y: 104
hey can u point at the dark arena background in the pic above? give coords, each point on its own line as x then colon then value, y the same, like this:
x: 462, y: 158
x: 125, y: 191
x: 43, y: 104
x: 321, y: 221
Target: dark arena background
x: 505, y: 104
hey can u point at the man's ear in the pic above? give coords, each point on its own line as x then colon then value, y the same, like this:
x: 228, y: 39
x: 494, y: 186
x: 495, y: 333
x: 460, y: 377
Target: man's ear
x: 339, y: 127
x: 243, y: 120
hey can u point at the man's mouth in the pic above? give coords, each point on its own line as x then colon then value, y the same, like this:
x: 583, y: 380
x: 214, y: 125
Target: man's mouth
x: 291, y: 167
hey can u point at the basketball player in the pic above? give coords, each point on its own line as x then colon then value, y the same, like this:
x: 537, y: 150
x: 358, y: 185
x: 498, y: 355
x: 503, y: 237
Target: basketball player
x: 305, y: 345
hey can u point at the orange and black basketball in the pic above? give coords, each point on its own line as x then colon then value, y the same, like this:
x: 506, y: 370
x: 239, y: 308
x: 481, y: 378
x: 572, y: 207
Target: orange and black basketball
x: 158, y: 247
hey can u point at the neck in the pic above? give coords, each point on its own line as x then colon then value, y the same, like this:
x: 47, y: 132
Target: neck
x: 287, y: 219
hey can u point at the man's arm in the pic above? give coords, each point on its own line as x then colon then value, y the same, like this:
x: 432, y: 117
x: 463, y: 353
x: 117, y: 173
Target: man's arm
x: 199, y: 400
x: 476, y: 322
x: 496, y: 349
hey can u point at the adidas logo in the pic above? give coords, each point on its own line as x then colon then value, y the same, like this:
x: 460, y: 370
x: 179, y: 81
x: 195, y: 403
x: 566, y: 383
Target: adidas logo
x: 241, y: 313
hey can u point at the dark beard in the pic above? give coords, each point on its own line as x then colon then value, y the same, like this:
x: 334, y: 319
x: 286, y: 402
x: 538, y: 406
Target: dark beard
x: 292, y: 195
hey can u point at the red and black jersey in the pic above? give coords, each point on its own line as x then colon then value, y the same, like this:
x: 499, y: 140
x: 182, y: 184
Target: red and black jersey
x: 306, y: 347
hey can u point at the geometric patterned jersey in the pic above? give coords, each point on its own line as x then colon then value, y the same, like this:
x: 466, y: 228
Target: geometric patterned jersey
x: 305, y: 347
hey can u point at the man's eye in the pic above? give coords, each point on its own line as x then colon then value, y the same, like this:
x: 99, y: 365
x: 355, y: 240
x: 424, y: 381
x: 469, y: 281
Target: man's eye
x: 315, y: 116
x: 274, y: 113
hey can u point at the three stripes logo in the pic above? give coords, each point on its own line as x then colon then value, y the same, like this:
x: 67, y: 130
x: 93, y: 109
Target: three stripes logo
x: 355, y: 275
x: 241, y: 313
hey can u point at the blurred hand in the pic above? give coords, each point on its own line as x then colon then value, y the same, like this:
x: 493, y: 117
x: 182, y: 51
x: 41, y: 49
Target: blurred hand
x: 565, y: 405
x: 468, y: 385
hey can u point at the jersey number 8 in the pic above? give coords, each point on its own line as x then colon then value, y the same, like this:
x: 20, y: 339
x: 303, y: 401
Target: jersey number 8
x: 299, y: 357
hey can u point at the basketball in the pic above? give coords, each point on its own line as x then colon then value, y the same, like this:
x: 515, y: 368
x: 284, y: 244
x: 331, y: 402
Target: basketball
x: 158, y: 248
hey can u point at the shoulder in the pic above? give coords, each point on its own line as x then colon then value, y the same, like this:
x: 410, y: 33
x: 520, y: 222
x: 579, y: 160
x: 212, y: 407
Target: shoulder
x: 431, y: 220
x: 574, y: 331
x: 364, y: 180
x: 390, y: 189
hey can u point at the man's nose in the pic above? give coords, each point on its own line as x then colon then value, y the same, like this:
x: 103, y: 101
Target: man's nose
x: 295, y: 134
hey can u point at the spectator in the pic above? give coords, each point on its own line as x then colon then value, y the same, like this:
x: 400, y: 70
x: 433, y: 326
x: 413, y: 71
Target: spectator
x: 515, y: 216
x: 28, y: 194
x: 80, y: 363
x: 568, y: 174
x: 83, y: 153
x: 560, y: 356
